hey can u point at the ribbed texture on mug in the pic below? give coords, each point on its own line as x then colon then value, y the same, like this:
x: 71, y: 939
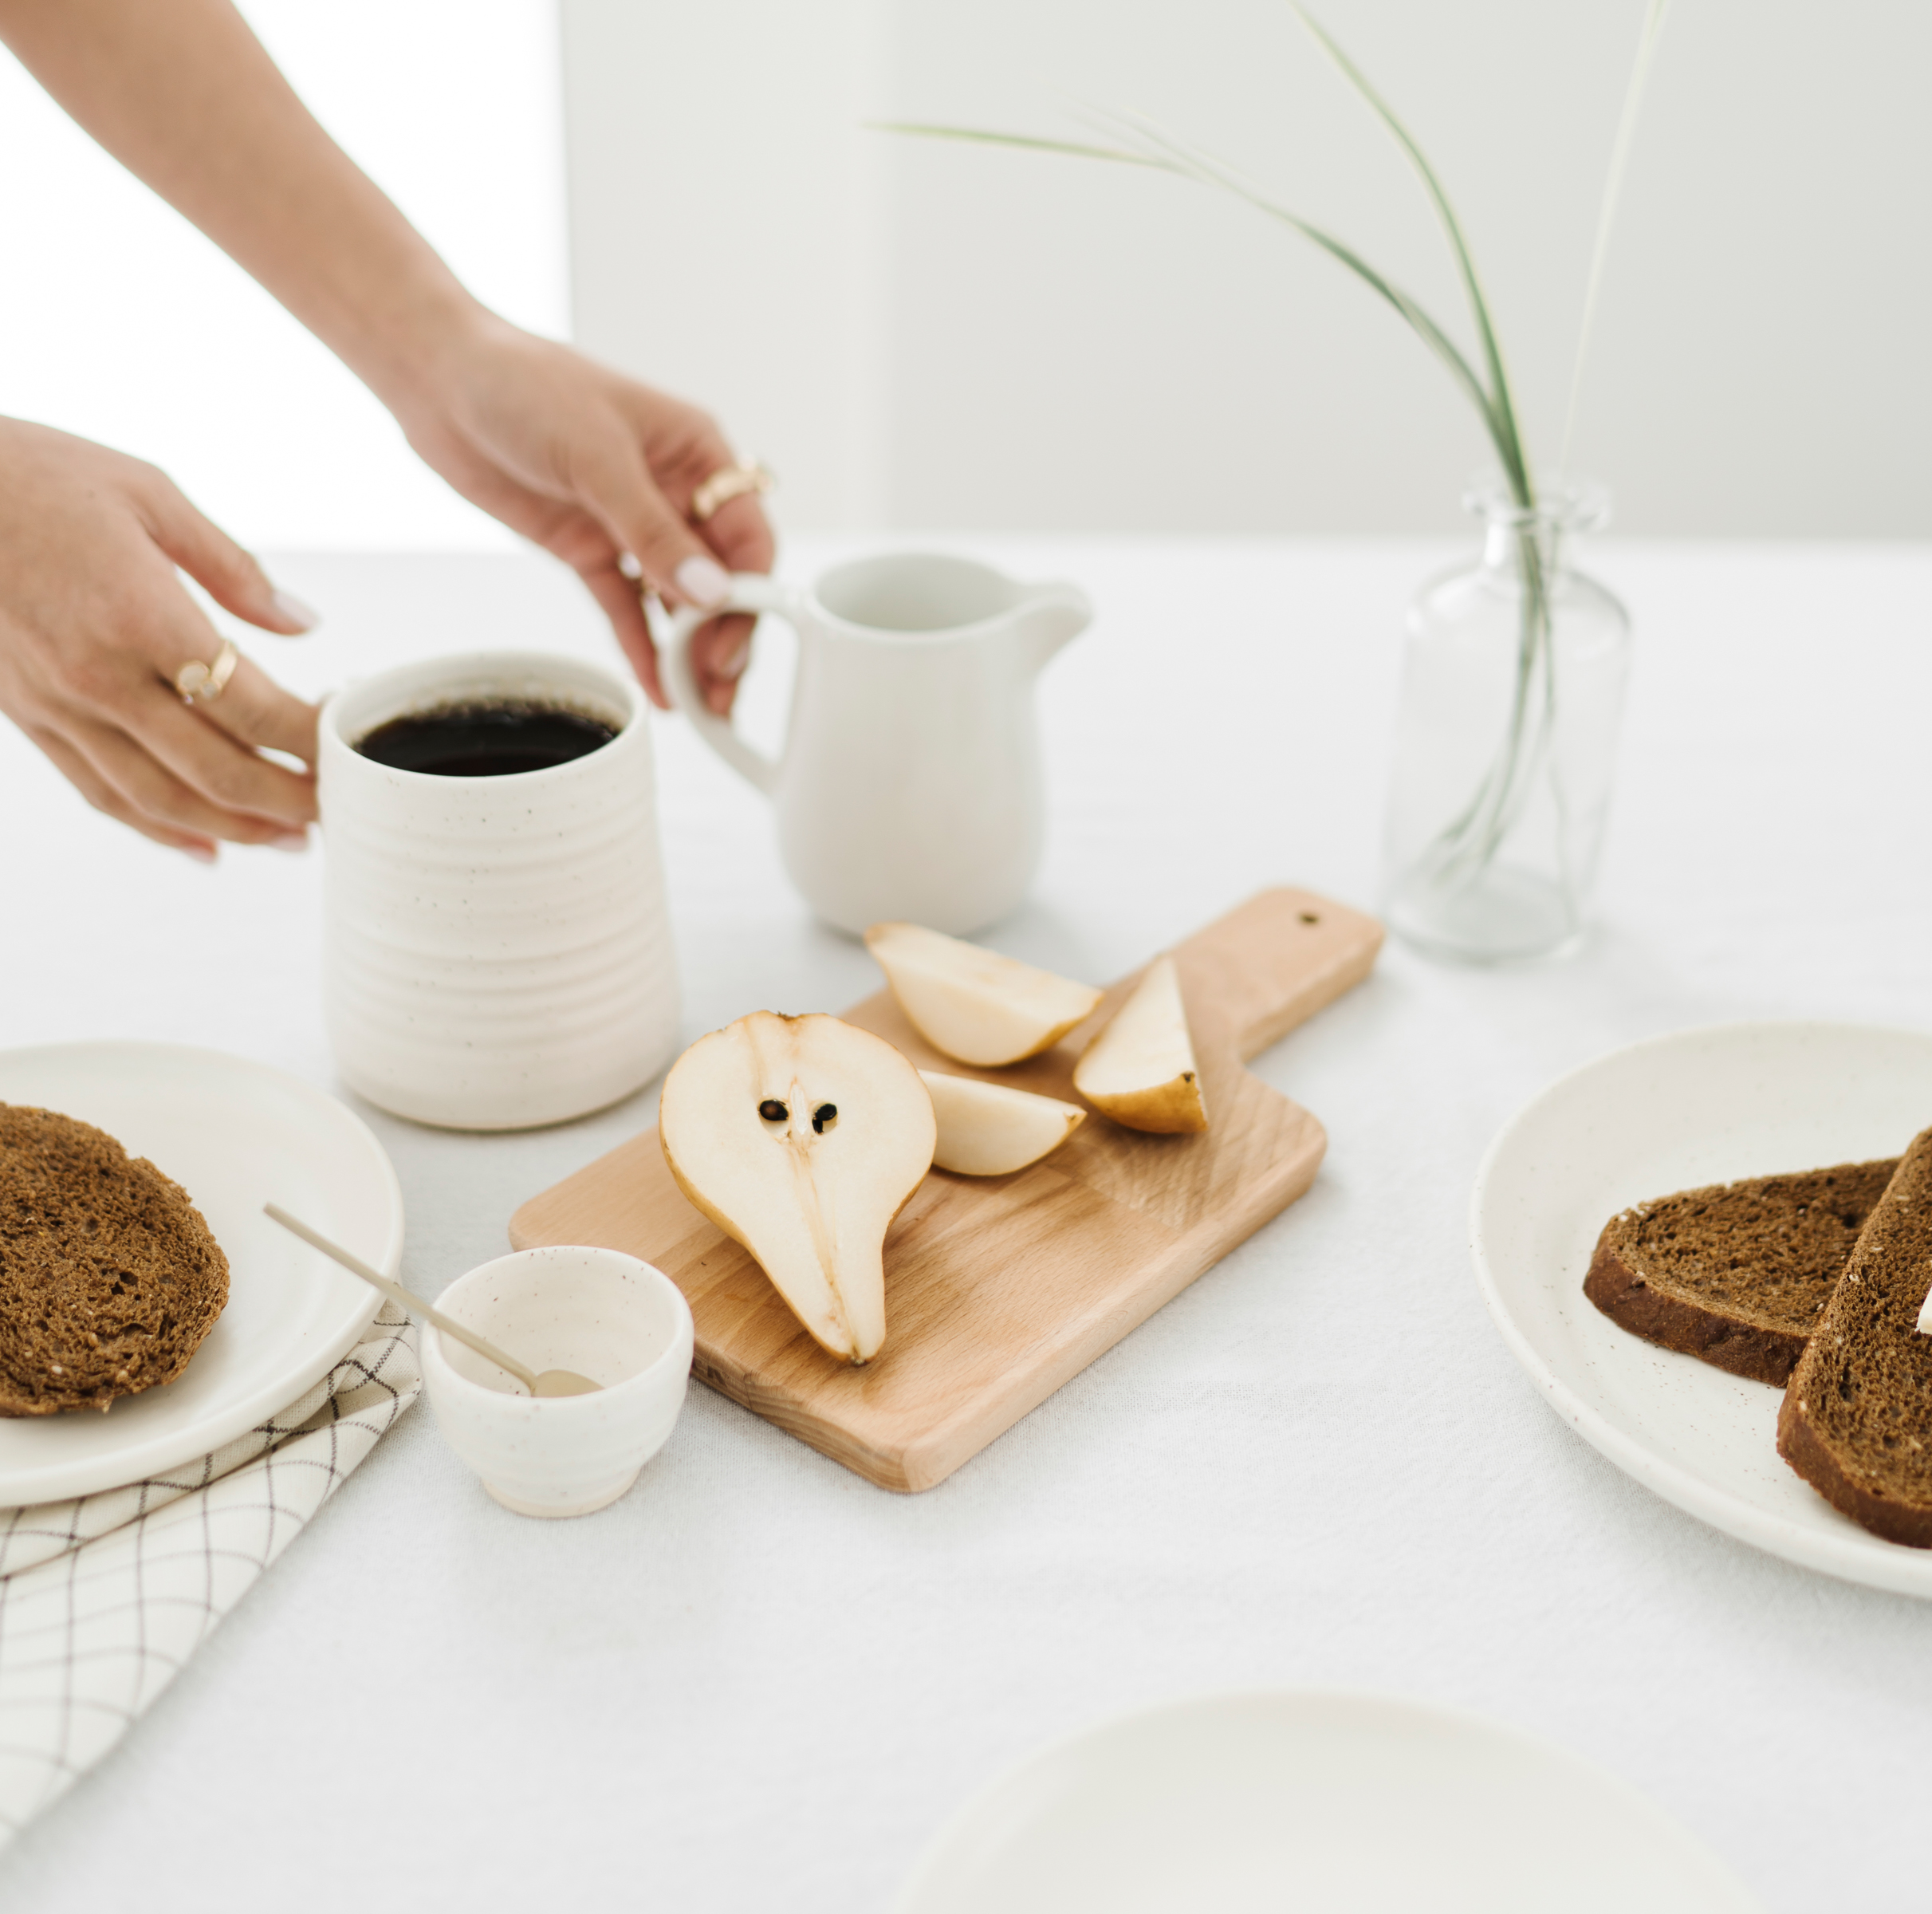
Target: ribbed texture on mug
x: 496, y: 953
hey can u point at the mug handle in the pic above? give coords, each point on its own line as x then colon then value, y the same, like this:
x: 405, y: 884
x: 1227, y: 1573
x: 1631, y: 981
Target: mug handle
x: 750, y: 592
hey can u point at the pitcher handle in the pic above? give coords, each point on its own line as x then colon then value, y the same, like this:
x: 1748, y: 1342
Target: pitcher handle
x: 750, y: 592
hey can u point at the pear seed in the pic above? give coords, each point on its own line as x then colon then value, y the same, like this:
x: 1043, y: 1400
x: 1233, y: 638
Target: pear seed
x: 824, y: 1117
x: 773, y: 1111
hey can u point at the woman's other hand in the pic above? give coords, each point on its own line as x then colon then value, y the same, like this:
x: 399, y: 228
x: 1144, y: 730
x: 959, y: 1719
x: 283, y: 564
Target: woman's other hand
x: 591, y: 465
x: 94, y: 625
x: 595, y: 468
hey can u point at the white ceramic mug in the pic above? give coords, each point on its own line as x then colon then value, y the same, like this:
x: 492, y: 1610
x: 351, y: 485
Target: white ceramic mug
x: 497, y: 950
x: 623, y: 1323
x: 910, y: 785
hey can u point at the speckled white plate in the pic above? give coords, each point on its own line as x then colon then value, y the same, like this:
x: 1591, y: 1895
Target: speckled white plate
x: 1700, y: 1106
x: 1321, y: 1803
x: 234, y: 1135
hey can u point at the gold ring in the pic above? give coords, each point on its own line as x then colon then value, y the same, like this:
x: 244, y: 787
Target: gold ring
x: 728, y: 482
x: 199, y: 684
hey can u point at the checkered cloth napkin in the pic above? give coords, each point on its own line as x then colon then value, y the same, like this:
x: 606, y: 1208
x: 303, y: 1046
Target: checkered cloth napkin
x: 103, y: 1599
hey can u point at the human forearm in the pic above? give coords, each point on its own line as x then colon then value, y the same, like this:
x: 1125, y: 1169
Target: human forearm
x: 182, y: 93
x: 598, y: 469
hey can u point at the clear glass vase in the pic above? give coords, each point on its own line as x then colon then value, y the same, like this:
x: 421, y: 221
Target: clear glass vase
x: 1512, y: 696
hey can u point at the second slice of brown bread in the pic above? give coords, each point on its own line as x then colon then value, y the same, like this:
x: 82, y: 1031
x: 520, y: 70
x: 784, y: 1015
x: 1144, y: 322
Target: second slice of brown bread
x: 1856, y: 1421
x: 1738, y: 1274
x: 109, y: 1277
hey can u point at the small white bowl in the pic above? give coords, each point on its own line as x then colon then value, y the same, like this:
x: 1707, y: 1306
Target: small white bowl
x: 607, y: 1316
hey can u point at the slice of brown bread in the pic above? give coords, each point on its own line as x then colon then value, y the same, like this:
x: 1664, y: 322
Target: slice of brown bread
x: 109, y: 1278
x: 1738, y: 1274
x: 1856, y: 1421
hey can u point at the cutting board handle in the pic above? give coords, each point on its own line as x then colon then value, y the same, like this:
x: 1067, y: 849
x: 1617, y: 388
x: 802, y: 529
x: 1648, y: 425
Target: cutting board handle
x: 1250, y: 977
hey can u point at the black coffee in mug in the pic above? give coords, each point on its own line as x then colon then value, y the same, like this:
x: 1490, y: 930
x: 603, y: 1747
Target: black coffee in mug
x: 486, y: 738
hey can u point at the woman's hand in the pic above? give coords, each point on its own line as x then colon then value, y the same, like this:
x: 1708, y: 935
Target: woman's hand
x: 598, y: 470
x: 594, y: 466
x: 95, y: 623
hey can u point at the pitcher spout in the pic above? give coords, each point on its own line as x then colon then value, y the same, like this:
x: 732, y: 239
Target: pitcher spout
x: 1051, y: 615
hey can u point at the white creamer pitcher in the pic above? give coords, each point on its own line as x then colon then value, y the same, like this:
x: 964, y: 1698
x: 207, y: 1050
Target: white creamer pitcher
x: 910, y: 784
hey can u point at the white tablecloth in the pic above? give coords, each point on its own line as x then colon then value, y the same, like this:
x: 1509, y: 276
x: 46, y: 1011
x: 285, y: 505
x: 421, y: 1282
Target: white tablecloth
x: 758, y: 1683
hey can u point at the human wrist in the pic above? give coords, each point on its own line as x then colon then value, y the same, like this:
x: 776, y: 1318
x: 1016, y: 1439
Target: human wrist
x: 404, y: 348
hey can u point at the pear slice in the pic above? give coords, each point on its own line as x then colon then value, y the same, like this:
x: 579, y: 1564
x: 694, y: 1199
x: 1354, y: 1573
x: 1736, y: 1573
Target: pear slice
x: 1140, y: 1070
x: 975, y: 1004
x: 802, y: 1138
x: 987, y: 1130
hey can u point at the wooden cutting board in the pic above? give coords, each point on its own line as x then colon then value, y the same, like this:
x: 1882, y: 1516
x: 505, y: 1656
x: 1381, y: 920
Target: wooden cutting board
x: 1000, y: 1289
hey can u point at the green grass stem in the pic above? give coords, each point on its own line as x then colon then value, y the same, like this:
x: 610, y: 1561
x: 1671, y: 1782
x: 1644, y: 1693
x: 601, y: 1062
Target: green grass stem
x: 1613, y: 182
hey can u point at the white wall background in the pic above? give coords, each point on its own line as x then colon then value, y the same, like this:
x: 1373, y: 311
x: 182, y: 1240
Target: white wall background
x: 944, y: 336
x: 948, y: 337
x: 118, y: 322
x: 729, y: 229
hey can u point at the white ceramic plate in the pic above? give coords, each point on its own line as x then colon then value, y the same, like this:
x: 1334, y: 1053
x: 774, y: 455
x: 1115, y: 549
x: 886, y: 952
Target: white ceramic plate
x: 1701, y: 1106
x: 1324, y: 1803
x: 234, y: 1135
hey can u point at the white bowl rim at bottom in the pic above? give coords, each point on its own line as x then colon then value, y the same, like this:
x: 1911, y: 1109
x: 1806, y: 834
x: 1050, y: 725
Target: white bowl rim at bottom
x: 968, y: 1842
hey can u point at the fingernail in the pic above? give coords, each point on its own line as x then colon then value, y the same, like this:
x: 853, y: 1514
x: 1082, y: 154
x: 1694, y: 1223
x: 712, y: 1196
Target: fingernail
x: 733, y: 666
x: 703, y: 580
x: 201, y: 853
x: 289, y: 840
x: 627, y: 564
x: 296, y: 612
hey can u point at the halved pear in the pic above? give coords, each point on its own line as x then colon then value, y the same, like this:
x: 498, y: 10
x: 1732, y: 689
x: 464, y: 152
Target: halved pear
x: 1140, y: 1070
x: 976, y: 1005
x: 802, y: 1138
x: 987, y: 1130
